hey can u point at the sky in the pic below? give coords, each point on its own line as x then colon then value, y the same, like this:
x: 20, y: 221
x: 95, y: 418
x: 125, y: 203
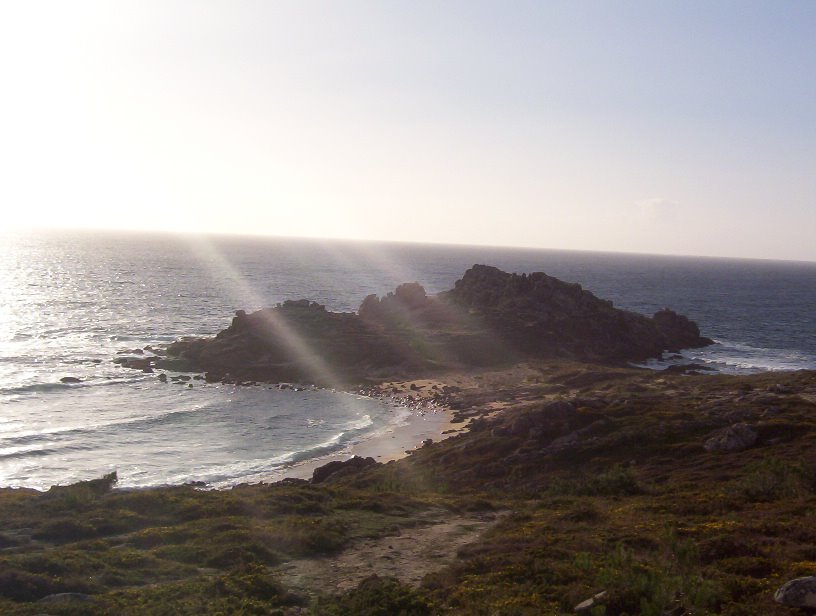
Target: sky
x: 683, y: 127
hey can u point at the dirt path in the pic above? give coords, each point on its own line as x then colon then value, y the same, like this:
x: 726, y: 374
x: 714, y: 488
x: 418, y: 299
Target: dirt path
x: 407, y: 556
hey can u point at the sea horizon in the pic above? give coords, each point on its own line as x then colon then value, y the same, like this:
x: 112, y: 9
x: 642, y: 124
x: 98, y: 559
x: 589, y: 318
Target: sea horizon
x: 239, y: 236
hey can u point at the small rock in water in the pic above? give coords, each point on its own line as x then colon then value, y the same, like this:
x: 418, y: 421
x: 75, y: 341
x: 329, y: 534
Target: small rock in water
x: 800, y: 592
x: 130, y: 352
x: 70, y: 379
x: 163, y: 377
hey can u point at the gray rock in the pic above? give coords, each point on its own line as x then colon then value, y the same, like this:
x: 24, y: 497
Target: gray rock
x: 737, y: 437
x: 70, y: 379
x: 66, y: 596
x: 587, y: 605
x: 800, y: 592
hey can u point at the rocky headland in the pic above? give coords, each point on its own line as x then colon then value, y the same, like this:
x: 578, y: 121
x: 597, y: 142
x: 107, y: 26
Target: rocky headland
x: 490, y: 318
x: 580, y: 486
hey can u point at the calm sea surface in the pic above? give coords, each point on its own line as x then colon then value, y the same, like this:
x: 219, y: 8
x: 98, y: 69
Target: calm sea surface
x: 70, y: 301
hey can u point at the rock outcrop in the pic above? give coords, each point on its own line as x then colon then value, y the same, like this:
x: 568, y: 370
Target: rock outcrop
x: 342, y: 468
x: 489, y: 318
x: 738, y: 437
x: 546, y: 317
x: 800, y: 593
x: 295, y: 341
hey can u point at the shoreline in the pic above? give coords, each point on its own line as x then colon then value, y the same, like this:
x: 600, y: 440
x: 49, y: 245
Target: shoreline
x: 393, y: 442
x: 427, y: 419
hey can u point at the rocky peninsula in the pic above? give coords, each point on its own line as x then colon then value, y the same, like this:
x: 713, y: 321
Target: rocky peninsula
x: 490, y: 318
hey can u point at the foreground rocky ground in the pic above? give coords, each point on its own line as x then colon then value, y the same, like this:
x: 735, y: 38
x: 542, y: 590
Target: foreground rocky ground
x: 657, y: 493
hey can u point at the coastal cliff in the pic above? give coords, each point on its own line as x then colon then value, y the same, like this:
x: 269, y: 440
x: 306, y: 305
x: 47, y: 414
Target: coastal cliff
x: 489, y: 318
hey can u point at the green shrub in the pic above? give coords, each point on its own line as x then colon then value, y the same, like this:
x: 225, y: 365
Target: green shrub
x: 617, y: 481
x: 65, y: 530
x: 773, y: 479
x: 242, y: 555
x: 651, y: 586
x: 376, y: 596
x: 24, y: 586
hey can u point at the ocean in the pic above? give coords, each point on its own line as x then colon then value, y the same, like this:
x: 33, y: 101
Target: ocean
x: 72, y: 300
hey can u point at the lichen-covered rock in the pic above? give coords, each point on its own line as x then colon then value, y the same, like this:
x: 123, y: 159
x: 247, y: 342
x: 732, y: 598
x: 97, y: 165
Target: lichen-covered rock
x: 800, y: 592
x: 737, y: 437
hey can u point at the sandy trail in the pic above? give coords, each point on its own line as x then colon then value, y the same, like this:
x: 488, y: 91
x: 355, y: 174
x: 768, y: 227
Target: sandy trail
x: 408, y: 556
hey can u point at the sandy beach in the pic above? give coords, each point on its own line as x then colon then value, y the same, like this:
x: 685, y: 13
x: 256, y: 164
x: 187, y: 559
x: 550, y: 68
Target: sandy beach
x: 423, y: 421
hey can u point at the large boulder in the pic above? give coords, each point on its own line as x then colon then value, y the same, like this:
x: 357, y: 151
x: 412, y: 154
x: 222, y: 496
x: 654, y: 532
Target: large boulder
x: 341, y: 468
x: 800, y: 592
x: 737, y: 437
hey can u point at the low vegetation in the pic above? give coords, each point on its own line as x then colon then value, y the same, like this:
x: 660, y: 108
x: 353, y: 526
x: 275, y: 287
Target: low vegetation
x: 599, y: 478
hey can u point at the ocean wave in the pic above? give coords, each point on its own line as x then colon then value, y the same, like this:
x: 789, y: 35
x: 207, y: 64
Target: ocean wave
x: 359, y: 424
x: 232, y: 474
x: 127, y: 424
x: 354, y: 432
x: 28, y: 453
x: 259, y: 470
x: 138, y: 423
x: 729, y: 357
x: 744, y: 357
x: 337, y: 442
x: 226, y: 475
x: 16, y: 359
x: 34, y: 388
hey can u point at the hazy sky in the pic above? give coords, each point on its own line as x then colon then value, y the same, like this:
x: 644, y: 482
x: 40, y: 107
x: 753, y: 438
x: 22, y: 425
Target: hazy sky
x: 683, y: 127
